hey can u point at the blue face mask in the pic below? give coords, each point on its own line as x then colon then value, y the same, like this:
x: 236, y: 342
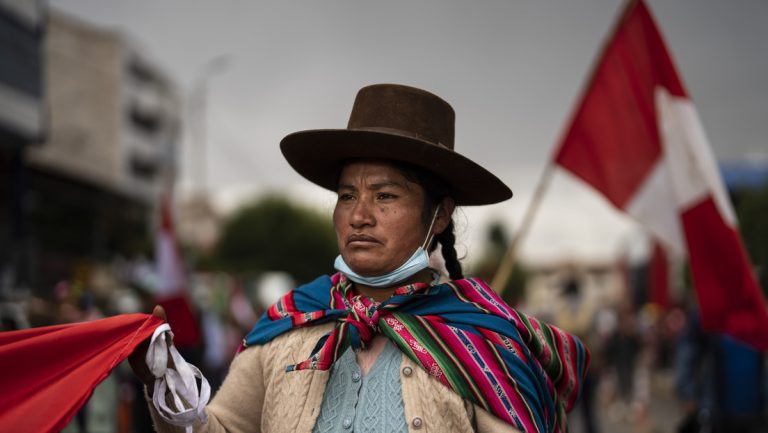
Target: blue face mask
x: 417, y: 262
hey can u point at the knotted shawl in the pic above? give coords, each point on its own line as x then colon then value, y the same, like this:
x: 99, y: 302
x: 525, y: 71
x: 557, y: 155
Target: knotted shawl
x: 525, y: 372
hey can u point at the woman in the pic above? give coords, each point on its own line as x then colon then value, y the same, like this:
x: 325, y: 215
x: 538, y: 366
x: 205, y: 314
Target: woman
x: 382, y: 345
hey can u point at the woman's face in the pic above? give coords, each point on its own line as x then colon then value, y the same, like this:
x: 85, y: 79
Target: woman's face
x: 378, y: 217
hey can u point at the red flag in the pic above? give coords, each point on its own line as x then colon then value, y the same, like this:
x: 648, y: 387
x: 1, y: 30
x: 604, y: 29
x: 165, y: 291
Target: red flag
x: 172, y: 290
x: 658, y: 270
x: 49, y: 373
x: 636, y: 138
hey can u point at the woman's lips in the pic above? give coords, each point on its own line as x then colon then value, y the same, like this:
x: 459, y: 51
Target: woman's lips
x: 359, y: 239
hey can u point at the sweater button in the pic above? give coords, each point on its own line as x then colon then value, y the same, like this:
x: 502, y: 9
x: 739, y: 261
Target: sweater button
x: 417, y: 423
x: 407, y: 371
x: 347, y: 423
x: 355, y: 377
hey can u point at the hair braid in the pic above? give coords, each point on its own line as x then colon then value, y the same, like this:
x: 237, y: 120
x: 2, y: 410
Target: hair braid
x: 447, y: 240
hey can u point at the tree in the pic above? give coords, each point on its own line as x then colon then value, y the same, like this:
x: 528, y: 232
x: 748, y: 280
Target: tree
x: 752, y: 211
x: 273, y: 234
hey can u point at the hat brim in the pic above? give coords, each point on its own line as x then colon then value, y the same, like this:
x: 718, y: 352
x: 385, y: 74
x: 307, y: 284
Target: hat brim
x: 319, y: 155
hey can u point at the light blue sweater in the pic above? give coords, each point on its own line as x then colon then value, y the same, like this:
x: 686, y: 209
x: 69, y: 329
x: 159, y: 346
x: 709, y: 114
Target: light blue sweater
x: 370, y: 404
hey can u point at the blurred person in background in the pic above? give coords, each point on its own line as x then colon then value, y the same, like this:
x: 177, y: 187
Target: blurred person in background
x: 720, y: 382
x: 622, y: 350
x: 12, y: 317
x: 388, y: 344
x: 576, y: 314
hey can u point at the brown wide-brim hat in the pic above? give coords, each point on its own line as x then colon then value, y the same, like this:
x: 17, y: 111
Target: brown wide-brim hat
x: 400, y: 123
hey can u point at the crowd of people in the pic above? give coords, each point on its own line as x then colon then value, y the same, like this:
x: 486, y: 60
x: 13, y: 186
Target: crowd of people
x: 654, y: 368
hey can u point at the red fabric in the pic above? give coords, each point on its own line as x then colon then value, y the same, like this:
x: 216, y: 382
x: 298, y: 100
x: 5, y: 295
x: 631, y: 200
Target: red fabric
x: 48, y: 373
x: 729, y: 297
x: 166, y: 222
x: 659, y: 276
x: 172, y: 293
x: 181, y: 318
x: 613, y: 140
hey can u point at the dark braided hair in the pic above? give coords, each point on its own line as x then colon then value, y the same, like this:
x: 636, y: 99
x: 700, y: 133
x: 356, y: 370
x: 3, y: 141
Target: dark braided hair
x: 447, y: 240
x: 435, y: 190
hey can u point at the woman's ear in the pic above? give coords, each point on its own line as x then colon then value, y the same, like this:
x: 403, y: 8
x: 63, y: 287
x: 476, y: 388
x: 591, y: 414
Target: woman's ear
x: 447, y: 205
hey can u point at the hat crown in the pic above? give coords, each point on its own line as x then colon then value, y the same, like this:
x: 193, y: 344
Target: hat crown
x: 404, y: 110
x: 397, y: 123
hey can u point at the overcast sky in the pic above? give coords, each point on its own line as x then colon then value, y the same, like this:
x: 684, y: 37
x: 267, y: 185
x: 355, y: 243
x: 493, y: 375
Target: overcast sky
x: 511, y: 69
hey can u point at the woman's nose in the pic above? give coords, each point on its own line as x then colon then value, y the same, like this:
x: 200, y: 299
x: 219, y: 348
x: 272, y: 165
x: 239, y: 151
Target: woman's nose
x: 362, y: 214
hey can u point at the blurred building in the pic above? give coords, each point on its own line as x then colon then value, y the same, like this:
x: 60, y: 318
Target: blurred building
x: 114, y: 115
x: 22, y: 123
x: 749, y: 172
x: 599, y: 283
x: 198, y: 223
x: 21, y: 85
x: 113, y: 126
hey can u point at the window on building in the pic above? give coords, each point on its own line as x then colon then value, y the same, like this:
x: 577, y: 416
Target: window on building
x: 147, y: 122
x: 143, y: 167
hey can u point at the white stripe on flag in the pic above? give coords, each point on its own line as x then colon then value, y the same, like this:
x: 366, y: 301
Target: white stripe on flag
x: 685, y: 175
x: 653, y: 206
x: 694, y: 173
x: 171, y: 277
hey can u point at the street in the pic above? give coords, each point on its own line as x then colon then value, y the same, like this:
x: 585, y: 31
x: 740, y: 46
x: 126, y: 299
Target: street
x: 662, y: 416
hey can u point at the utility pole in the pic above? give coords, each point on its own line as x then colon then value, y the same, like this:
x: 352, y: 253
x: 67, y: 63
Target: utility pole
x: 199, y: 121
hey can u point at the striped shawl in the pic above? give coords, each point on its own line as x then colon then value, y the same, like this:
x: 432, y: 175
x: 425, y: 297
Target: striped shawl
x: 526, y: 372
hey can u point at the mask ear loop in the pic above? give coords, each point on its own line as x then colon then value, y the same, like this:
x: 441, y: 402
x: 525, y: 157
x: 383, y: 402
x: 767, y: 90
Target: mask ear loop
x: 430, y: 235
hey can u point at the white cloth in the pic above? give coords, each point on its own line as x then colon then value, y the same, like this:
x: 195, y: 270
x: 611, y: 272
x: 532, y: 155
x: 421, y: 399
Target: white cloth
x: 181, y: 381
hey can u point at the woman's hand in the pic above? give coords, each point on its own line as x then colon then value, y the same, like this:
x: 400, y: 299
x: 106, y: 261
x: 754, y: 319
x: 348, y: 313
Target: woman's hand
x: 138, y: 359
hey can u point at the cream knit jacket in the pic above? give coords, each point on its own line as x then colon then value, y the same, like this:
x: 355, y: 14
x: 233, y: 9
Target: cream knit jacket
x: 259, y: 396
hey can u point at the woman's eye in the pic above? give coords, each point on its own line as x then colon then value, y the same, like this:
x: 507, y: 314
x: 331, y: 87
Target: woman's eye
x: 345, y: 197
x: 385, y: 196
